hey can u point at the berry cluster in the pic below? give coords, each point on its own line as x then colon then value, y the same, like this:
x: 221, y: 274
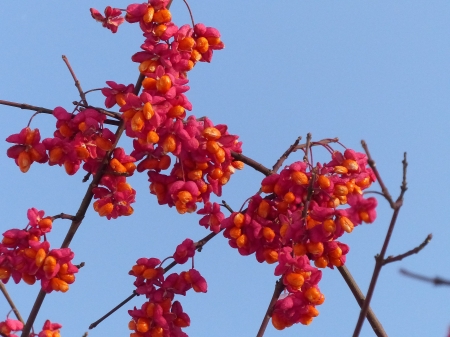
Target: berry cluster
x: 23, y: 256
x: 299, y: 221
x: 160, y: 315
x: 11, y: 325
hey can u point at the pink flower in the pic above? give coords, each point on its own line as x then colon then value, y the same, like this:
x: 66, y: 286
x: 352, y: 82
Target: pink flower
x: 184, y: 251
x: 213, y: 216
x: 112, y: 19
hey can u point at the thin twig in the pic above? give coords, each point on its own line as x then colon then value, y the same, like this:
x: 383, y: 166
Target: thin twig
x: 380, y: 258
x: 112, y: 114
x: 285, y: 155
x: 320, y: 142
x: 11, y: 303
x: 308, y: 145
x: 63, y: 216
x: 415, y: 250
x: 279, y: 287
x: 44, y: 110
x: 252, y: 163
x: 77, y: 83
x: 372, y: 164
x: 357, y: 293
x: 437, y: 281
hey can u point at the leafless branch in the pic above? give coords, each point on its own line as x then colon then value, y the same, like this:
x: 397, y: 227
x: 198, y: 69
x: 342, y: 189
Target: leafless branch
x: 415, y: 250
x: 437, y: 281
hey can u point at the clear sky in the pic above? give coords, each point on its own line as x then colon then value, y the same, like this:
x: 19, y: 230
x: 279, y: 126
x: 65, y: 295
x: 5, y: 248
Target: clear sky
x: 369, y: 70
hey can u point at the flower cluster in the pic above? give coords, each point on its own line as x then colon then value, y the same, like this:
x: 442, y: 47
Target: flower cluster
x: 24, y: 256
x: 11, y: 325
x: 160, y: 315
x: 156, y: 119
x: 299, y: 221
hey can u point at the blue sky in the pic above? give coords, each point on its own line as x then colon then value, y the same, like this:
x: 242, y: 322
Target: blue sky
x: 377, y: 71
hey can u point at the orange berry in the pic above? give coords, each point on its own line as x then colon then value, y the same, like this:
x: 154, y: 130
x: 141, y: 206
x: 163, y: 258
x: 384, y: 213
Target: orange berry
x: 267, y: 188
x: 351, y: 165
x: 149, y: 273
x: 149, y: 83
x: 68, y: 278
x: 4, y: 273
x: 40, y: 257
x: 147, y: 111
x: 220, y: 155
x: 313, y: 295
x: 235, y: 232
x: 24, y: 161
x: 295, y: 280
x: 148, y: 16
x: 321, y: 262
x: 104, y: 144
x: 211, y: 133
x: 216, y: 173
x: 277, y: 189
x: 364, y: 183
x: 160, y: 30
x: 59, y: 285
x: 263, y: 209
x: 195, y: 174
x: 336, y: 262
x: 333, y: 202
x: 324, y: 182
x: 237, y: 164
x: 315, y: 248
x: 299, y: 249
x: 283, y: 230
x: 270, y: 255
x: 130, y: 167
x: 278, y: 322
x: 164, y: 84
x: 364, y: 216
x: 106, y: 209
x: 289, y: 197
x: 56, y: 154
x: 202, y: 45
x: 238, y: 220
x: 157, y: 332
x: 282, y: 206
x: 186, y: 44
x: 169, y: 144
x: 117, y: 166
x: 132, y: 325
x: 340, y: 190
x: 202, y: 166
x: 340, y: 170
x: 138, y: 122
x: 242, y: 241
x: 164, y: 162
x: 213, y: 40
x: 176, y: 111
x: 299, y: 178
x: 223, y: 180
x: 148, y: 66
x: 195, y: 56
x: 184, y: 196
x: 212, y: 146
x: 329, y: 226
x: 162, y: 16
x: 65, y: 130
x: 45, y: 223
x: 335, y: 253
x: 143, y: 325
x: 305, y: 319
x: 120, y: 99
x: 268, y: 234
x: 311, y: 223
x: 346, y: 224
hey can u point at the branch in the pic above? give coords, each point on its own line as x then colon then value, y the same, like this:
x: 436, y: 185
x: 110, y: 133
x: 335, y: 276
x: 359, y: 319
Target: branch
x: 372, y: 165
x: 279, y: 287
x: 11, y: 303
x: 307, y: 147
x: 77, y: 83
x: 380, y: 258
x: 415, y: 250
x: 437, y: 281
x: 357, y: 293
x: 80, y: 214
x: 285, y: 155
x: 43, y: 110
x: 63, y: 216
x: 108, y: 113
x: 252, y: 163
